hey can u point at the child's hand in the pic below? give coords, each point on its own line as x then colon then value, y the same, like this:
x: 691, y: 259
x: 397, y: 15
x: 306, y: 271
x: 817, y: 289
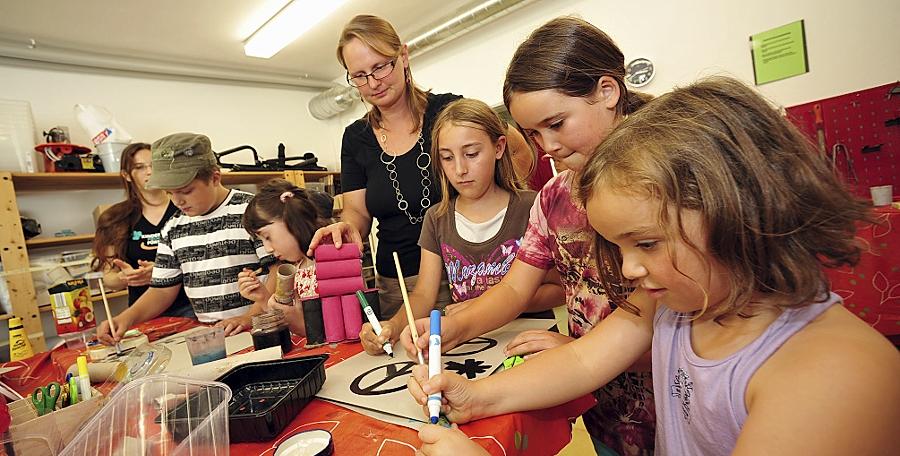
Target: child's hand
x: 374, y: 345
x: 450, y: 335
x: 534, y: 341
x: 439, y: 441
x: 458, y: 395
x: 250, y: 287
x: 339, y: 232
x: 235, y: 325
x: 292, y: 315
x: 104, y: 333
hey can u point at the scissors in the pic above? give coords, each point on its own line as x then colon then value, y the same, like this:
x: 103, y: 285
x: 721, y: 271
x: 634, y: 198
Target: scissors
x: 44, y: 398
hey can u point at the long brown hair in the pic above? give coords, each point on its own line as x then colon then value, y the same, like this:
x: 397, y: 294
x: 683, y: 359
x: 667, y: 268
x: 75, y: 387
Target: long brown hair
x: 467, y: 112
x: 569, y: 55
x: 380, y: 35
x: 114, y: 224
x: 773, y: 211
x: 297, y: 211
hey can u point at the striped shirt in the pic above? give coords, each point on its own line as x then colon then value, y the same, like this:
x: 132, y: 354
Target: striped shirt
x: 205, y: 254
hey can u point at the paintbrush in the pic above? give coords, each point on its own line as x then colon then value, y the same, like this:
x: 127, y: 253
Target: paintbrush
x: 409, y: 314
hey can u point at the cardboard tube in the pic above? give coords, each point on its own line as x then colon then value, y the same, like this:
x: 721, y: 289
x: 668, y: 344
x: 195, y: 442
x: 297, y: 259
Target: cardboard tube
x: 340, y: 287
x: 338, y: 269
x: 327, y: 252
x: 312, y: 320
x: 333, y: 316
x: 284, y: 283
x: 352, y: 313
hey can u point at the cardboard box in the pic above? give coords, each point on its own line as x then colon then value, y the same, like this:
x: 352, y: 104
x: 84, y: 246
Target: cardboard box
x: 99, y: 210
x: 35, y: 435
x: 72, y: 308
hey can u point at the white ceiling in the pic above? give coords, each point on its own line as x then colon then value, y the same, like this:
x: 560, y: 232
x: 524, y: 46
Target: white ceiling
x: 202, y: 32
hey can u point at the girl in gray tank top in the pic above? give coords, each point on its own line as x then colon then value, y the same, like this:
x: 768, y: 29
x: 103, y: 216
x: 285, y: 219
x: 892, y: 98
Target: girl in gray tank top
x: 720, y: 217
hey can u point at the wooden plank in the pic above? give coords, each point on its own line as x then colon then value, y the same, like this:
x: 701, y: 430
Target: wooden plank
x: 297, y: 178
x: 14, y: 256
x: 87, y: 181
x: 43, y: 242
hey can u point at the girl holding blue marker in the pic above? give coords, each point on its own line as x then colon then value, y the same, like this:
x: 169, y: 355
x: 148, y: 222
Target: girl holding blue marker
x: 472, y: 236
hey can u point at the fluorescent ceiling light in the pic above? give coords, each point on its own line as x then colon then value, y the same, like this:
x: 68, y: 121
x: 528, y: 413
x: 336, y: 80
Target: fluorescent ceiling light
x: 286, y: 26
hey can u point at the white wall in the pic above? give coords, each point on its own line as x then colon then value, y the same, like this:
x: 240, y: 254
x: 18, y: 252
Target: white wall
x: 230, y: 115
x: 849, y: 47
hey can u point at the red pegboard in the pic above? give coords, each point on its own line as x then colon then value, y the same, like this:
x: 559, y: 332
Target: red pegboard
x: 858, y: 120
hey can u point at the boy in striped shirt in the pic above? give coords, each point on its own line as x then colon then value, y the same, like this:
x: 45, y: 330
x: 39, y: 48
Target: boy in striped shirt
x: 202, y: 247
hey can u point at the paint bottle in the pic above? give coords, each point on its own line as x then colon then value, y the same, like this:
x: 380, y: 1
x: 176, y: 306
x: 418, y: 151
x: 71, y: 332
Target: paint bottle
x: 270, y: 330
x: 19, y: 345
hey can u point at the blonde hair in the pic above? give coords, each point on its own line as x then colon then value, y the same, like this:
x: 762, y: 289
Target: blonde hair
x: 380, y: 35
x: 773, y: 210
x: 467, y: 112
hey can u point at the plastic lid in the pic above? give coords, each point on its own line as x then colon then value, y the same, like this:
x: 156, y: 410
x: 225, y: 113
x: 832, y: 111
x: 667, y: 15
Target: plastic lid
x: 435, y: 322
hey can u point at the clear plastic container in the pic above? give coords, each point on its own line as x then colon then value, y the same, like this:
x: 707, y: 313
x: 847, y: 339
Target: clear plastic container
x: 161, y: 415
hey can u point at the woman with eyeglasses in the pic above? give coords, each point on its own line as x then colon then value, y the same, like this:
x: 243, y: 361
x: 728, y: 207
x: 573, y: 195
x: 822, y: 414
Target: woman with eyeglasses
x: 386, y: 171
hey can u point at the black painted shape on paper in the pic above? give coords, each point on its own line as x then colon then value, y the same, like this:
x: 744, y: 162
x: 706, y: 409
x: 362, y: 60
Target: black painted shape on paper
x: 470, y: 368
x: 480, y: 344
x: 385, y: 374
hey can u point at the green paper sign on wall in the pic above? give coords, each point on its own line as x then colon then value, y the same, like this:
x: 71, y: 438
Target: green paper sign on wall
x: 779, y: 53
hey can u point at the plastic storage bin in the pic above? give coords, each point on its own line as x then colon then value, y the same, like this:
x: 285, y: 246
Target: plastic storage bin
x: 269, y: 394
x: 139, y: 419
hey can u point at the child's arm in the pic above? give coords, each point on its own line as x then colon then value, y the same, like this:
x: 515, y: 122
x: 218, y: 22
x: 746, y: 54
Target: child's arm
x: 831, y: 389
x: 153, y: 302
x: 421, y: 301
x: 579, y: 367
x: 549, y: 295
x: 497, y: 306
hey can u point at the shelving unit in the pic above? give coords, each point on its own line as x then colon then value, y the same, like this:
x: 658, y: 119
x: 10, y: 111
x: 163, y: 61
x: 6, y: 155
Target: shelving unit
x: 14, y: 251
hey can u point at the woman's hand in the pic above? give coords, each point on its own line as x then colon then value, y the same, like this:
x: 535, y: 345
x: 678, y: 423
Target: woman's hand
x: 534, y: 341
x: 440, y: 441
x: 250, y: 287
x: 374, y: 345
x: 339, y: 232
x: 460, y: 401
x: 135, y: 277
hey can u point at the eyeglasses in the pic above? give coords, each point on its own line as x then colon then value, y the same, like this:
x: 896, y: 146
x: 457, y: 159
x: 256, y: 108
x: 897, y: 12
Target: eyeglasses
x: 380, y: 72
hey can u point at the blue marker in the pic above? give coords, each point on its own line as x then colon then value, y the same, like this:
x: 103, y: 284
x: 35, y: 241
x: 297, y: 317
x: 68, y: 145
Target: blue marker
x: 434, y: 364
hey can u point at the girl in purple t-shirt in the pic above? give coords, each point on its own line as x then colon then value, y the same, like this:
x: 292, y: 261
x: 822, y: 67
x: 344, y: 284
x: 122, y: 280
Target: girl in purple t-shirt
x: 722, y: 215
x: 472, y: 236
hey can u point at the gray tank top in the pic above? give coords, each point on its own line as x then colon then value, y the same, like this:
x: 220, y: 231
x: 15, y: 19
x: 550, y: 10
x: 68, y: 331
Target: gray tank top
x: 700, y: 406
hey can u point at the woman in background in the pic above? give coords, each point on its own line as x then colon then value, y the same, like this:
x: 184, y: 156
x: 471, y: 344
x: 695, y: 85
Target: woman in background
x: 128, y: 232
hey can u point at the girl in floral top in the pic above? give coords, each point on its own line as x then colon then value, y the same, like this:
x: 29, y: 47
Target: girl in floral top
x: 284, y: 217
x: 564, y: 87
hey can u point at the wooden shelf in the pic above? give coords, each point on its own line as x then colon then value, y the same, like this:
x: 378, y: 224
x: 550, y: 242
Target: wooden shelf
x: 321, y: 173
x: 5, y: 317
x: 44, y: 242
x: 88, y: 181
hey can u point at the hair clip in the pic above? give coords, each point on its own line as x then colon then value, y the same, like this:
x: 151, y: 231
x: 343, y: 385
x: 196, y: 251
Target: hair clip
x: 284, y: 196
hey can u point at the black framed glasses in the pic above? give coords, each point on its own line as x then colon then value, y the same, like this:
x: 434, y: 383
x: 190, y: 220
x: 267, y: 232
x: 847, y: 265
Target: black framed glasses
x: 378, y: 73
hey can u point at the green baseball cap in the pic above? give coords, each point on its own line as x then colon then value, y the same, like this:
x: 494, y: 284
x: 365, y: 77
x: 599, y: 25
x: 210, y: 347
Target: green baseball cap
x: 177, y: 158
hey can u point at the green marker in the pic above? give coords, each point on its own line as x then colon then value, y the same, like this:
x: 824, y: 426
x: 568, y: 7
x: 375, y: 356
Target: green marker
x: 370, y: 315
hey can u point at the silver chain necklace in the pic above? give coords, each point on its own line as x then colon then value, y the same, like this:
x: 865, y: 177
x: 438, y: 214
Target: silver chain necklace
x: 391, y: 167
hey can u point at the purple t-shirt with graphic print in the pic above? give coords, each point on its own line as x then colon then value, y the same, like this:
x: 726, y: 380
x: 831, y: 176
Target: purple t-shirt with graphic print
x: 560, y: 236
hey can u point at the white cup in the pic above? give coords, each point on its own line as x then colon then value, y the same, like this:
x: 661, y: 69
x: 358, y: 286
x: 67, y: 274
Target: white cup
x: 882, y: 195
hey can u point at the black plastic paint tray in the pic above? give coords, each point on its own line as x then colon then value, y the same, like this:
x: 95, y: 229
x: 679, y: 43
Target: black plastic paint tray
x: 267, y: 395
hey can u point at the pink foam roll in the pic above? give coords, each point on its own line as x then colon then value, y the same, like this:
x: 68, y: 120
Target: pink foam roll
x: 340, y: 287
x: 352, y: 316
x: 333, y: 317
x: 338, y: 269
x: 327, y: 252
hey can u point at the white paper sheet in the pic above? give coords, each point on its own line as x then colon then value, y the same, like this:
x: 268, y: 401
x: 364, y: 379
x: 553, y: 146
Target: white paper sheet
x: 378, y: 383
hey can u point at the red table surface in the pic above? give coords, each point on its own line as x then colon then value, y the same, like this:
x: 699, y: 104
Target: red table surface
x: 532, y: 433
x: 871, y: 289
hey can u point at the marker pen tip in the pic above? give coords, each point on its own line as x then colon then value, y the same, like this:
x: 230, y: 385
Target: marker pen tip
x: 434, y: 420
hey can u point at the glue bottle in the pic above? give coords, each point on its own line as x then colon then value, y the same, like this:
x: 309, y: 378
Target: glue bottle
x: 84, y: 379
x: 19, y: 345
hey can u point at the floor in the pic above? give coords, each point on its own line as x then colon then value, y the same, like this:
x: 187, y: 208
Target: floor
x: 581, y: 442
